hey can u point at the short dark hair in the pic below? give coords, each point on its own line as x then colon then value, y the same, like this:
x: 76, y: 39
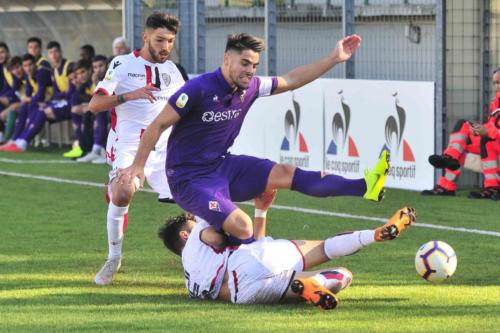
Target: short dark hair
x: 244, y: 41
x: 89, y: 49
x: 496, y: 70
x: 14, y: 61
x: 53, y: 44
x: 169, y: 232
x: 81, y: 64
x: 100, y: 57
x: 163, y: 20
x: 28, y: 57
x: 35, y: 40
x: 4, y: 46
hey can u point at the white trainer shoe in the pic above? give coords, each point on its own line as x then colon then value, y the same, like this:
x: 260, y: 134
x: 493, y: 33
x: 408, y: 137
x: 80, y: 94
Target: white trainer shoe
x: 88, y: 158
x: 101, y: 159
x: 105, y: 276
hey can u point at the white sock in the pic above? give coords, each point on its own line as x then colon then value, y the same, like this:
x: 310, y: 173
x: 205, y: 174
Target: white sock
x: 116, y: 216
x: 329, y: 282
x: 348, y: 243
x: 22, y: 144
x: 96, y: 149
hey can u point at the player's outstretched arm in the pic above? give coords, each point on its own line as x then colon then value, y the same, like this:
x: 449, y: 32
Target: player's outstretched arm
x: 164, y: 120
x: 101, y: 102
x: 301, y: 76
x: 262, y: 203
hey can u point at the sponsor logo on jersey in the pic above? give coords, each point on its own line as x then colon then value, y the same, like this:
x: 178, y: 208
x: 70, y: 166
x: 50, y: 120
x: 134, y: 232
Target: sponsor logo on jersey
x: 116, y: 64
x: 216, y: 98
x: 136, y: 75
x: 182, y: 100
x: 214, y: 205
x: 211, y: 116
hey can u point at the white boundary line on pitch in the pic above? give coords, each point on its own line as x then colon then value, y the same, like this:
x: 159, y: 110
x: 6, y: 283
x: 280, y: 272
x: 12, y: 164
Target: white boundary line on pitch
x: 279, y: 207
x: 13, y: 161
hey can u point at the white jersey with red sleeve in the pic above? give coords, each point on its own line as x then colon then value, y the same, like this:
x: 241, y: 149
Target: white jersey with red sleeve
x: 130, y: 72
x: 204, y: 266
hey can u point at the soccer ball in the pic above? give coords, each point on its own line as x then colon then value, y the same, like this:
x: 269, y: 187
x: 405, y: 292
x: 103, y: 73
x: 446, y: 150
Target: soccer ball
x: 435, y: 261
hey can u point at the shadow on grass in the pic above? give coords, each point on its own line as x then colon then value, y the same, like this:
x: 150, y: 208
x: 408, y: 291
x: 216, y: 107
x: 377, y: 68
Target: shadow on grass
x: 96, y: 299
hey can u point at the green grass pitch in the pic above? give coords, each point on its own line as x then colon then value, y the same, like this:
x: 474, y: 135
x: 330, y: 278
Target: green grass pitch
x: 53, y: 241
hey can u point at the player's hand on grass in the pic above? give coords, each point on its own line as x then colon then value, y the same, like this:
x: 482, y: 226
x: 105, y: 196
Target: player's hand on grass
x: 128, y: 175
x: 346, y: 47
x: 266, y: 199
x: 143, y: 93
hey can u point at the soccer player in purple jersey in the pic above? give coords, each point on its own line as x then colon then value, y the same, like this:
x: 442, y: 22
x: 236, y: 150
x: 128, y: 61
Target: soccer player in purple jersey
x: 208, y: 112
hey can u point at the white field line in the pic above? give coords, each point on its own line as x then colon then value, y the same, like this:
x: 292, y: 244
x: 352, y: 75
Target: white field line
x: 279, y: 207
x: 13, y: 161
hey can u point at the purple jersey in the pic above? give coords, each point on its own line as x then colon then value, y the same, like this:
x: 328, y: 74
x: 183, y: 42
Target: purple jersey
x: 211, y: 117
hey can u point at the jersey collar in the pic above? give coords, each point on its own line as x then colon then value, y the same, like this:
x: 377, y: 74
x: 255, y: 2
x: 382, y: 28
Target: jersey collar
x: 222, y: 81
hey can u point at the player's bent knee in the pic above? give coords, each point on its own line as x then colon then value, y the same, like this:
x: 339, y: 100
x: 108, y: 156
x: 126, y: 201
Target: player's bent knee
x: 281, y: 176
x: 238, y: 225
x: 122, y: 194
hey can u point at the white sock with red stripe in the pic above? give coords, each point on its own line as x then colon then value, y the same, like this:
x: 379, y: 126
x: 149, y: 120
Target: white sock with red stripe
x: 331, y: 280
x: 348, y: 243
x: 116, y: 218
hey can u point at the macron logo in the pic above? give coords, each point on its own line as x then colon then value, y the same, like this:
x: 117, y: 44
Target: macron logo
x: 216, y: 117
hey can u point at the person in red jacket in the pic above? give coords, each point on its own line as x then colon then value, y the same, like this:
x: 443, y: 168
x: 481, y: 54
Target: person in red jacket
x: 475, y: 138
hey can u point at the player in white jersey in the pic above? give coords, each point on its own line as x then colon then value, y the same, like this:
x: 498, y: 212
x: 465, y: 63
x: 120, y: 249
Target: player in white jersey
x: 268, y: 270
x: 137, y: 86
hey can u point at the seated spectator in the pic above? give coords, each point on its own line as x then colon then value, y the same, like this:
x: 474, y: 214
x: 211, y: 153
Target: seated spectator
x: 34, y: 47
x: 79, y: 105
x: 120, y: 46
x: 38, y: 90
x: 468, y: 137
x: 10, y: 98
x: 87, y: 53
x: 4, y: 59
x: 97, y: 123
x: 58, y: 108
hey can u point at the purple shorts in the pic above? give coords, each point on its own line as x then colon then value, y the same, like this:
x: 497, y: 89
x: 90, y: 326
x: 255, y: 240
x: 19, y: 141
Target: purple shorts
x: 61, y: 110
x: 211, y: 196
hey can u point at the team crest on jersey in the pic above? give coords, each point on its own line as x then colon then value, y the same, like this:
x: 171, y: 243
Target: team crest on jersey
x: 109, y: 74
x: 214, y: 205
x: 166, y: 78
x: 182, y: 100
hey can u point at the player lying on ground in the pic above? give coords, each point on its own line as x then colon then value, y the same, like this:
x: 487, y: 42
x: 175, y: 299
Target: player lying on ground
x: 208, y: 112
x: 268, y: 270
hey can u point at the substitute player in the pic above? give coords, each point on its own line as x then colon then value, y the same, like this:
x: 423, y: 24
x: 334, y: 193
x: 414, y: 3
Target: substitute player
x: 208, y: 113
x: 268, y: 270
x: 138, y: 86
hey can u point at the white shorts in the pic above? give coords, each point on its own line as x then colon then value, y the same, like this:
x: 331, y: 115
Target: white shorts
x: 110, y: 147
x: 261, y: 272
x: 154, y: 170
